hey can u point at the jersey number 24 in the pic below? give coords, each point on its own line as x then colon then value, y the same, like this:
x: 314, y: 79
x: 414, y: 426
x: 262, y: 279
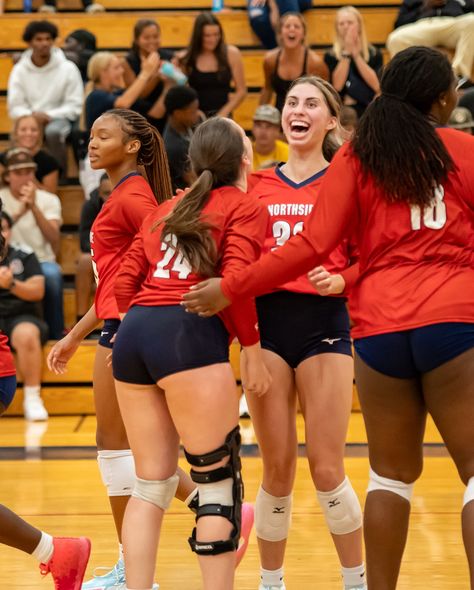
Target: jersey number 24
x: 173, y: 260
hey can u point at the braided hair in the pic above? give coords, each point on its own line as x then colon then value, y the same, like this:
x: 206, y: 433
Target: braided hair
x: 151, y: 155
x: 396, y: 141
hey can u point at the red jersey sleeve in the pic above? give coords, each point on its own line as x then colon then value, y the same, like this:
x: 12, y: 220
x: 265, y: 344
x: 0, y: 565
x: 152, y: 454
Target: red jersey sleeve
x: 132, y: 272
x: 329, y: 222
x: 242, y: 244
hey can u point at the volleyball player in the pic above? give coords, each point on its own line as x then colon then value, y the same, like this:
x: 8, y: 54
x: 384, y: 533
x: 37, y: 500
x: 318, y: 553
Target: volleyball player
x: 406, y: 183
x: 172, y: 372
x: 306, y: 346
x: 121, y: 141
x: 64, y: 557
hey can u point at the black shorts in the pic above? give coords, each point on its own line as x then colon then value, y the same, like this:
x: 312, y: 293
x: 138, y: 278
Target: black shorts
x: 7, y: 325
x: 154, y: 342
x: 411, y: 353
x: 108, y: 331
x: 297, y: 326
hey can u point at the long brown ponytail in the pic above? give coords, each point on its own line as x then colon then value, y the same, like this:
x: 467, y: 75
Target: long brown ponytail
x: 215, y: 151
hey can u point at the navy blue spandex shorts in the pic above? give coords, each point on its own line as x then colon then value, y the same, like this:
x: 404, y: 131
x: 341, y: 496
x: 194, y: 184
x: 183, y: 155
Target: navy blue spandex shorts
x: 154, y: 342
x: 108, y: 332
x: 7, y: 390
x: 296, y: 326
x: 411, y: 353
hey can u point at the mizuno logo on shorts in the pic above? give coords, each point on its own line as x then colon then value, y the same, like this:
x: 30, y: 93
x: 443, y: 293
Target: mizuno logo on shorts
x: 331, y: 341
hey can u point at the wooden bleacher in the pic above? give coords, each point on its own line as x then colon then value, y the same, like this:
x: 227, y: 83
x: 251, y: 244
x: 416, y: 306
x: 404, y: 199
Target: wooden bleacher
x: 72, y: 393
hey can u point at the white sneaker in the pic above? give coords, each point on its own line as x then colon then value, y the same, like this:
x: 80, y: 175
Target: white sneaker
x: 34, y: 409
x: 47, y: 8
x: 111, y: 580
x: 279, y: 587
x: 95, y: 8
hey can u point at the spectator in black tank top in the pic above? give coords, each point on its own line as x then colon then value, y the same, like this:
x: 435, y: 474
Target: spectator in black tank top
x: 353, y: 63
x: 214, y: 69
x: 291, y: 60
x: 28, y: 133
x: 147, y: 40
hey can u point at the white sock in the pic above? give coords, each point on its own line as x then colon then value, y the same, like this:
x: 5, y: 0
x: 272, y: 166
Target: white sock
x: 353, y: 576
x: 31, y: 390
x: 120, y: 551
x: 271, y: 577
x: 44, y: 550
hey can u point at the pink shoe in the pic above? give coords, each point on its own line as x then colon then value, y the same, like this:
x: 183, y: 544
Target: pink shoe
x: 69, y: 562
x: 246, y: 529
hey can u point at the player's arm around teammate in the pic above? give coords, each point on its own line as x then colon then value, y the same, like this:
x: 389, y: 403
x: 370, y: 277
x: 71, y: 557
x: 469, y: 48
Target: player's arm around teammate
x: 173, y: 377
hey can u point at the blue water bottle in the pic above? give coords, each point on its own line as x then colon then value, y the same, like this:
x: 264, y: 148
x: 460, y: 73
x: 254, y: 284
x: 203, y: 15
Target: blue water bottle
x: 27, y: 6
x: 217, y: 5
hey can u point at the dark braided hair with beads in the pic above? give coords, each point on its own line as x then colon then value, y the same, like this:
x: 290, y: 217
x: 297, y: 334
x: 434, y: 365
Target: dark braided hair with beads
x: 396, y: 141
x: 151, y: 155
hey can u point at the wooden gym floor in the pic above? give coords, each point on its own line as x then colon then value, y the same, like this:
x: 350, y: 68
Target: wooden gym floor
x: 48, y: 475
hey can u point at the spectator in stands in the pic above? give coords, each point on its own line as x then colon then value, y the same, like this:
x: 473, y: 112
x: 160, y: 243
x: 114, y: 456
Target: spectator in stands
x: 291, y: 60
x: 46, y: 84
x: 264, y: 16
x: 84, y: 275
x: 432, y: 23
x: 182, y: 108
x: 36, y: 217
x: 349, y: 120
x: 79, y: 46
x: 268, y: 149
x: 21, y: 288
x: 214, y: 69
x: 467, y: 100
x: 106, y: 88
x: 461, y: 118
x: 28, y: 133
x: 147, y: 40
x: 353, y: 63
x: 88, y: 5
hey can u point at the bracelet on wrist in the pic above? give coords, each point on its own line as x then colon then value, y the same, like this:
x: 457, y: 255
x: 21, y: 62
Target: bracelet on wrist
x: 346, y: 55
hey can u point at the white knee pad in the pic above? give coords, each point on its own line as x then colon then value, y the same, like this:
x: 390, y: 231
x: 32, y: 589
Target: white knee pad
x: 469, y: 493
x: 377, y: 482
x: 159, y: 492
x: 117, y: 469
x: 341, y: 509
x: 272, y: 516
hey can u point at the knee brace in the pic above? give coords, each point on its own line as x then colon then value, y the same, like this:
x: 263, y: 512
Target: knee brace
x: 377, y: 482
x: 469, y: 493
x: 341, y: 509
x: 220, y: 492
x: 117, y: 469
x: 272, y: 516
x: 159, y: 492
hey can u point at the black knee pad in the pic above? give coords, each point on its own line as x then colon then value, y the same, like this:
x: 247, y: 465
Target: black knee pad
x: 233, y: 496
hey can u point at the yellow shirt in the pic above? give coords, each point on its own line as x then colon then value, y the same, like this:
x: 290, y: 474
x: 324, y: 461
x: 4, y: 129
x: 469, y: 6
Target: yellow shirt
x: 279, y: 154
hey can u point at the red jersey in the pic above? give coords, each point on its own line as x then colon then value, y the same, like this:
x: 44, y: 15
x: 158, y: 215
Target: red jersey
x: 112, y: 233
x: 7, y: 364
x: 154, y: 272
x: 289, y: 205
x: 416, y: 268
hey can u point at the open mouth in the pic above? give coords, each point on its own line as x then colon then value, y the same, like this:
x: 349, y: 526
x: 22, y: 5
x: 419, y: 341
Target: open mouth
x: 299, y: 128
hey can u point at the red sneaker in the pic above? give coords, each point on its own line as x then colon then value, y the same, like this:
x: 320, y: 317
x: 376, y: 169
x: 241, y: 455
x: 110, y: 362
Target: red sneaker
x: 245, y: 530
x: 69, y: 562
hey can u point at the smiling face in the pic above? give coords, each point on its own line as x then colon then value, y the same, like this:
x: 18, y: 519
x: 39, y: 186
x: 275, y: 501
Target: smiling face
x: 292, y: 32
x: 306, y: 118
x: 108, y: 148
x: 211, y: 36
x: 149, y: 39
x: 28, y: 133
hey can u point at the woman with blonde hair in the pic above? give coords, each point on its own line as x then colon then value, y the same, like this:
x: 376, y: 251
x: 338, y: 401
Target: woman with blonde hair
x: 28, y: 133
x: 292, y: 59
x: 353, y: 63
